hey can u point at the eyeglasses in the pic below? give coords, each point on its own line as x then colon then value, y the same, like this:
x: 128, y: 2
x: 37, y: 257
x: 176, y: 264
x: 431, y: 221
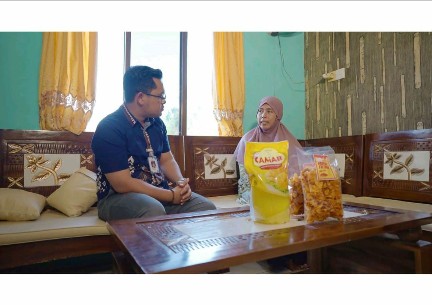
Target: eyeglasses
x: 160, y: 97
x: 267, y: 111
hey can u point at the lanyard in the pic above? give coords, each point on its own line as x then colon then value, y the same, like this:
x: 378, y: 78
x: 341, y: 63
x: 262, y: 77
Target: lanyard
x: 149, y: 148
x: 152, y: 160
x: 146, y: 136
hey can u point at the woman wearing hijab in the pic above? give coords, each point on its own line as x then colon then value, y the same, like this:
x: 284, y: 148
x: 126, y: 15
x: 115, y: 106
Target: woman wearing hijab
x: 270, y: 129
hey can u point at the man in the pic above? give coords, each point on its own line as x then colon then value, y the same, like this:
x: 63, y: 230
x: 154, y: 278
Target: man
x: 133, y: 156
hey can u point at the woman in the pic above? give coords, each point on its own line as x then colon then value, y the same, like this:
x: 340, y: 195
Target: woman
x: 269, y: 129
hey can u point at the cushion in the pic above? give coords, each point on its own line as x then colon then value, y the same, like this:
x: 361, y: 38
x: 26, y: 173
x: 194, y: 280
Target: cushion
x: 17, y: 205
x: 76, y: 195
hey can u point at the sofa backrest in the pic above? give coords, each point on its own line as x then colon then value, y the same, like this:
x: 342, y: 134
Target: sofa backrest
x: 40, y: 161
x: 398, y: 165
x: 177, y: 149
x: 210, y: 164
x: 349, y: 152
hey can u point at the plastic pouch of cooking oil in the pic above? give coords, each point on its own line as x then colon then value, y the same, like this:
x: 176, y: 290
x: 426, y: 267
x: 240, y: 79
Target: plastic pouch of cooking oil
x: 267, y: 166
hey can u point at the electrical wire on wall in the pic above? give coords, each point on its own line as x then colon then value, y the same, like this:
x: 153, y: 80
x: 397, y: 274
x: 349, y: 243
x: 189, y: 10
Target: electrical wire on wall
x: 284, y: 71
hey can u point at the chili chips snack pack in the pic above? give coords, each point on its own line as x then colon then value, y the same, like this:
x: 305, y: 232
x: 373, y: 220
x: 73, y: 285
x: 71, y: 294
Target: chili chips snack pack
x: 321, y: 184
x: 267, y: 166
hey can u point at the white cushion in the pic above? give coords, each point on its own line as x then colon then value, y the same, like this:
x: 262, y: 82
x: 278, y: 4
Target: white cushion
x: 52, y: 224
x: 76, y: 195
x: 17, y: 205
x: 227, y: 201
x: 392, y: 203
x: 397, y: 204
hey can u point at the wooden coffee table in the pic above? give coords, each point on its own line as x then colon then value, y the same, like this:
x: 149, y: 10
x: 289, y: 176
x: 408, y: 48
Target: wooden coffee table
x: 215, y: 240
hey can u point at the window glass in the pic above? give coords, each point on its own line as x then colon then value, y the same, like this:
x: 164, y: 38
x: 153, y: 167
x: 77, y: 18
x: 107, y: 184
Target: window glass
x: 161, y: 50
x: 200, y: 118
x: 109, y: 83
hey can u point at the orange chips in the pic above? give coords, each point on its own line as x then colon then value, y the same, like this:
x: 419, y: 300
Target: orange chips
x: 322, y: 198
x: 321, y: 184
x: 296, y: 193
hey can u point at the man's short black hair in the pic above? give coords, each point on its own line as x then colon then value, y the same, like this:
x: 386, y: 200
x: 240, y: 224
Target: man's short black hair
x: 139, y: 79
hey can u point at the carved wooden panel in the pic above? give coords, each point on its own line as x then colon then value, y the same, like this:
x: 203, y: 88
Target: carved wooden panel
x: 209, y: 164
x: 352, y: 148
x: 16, y: 144
x: 407, y: 156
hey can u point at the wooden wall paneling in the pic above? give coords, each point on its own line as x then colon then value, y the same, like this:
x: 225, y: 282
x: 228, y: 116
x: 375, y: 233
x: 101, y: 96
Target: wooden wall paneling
x: 388, y: 83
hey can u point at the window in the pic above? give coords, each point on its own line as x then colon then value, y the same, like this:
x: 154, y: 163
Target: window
x: 191, y: 91
x: 109, y: 85
x: 161, y: 51
x: 200, y: 118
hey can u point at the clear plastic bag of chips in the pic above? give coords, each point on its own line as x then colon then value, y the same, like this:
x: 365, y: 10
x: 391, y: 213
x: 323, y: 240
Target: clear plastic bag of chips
x: 321, y: 184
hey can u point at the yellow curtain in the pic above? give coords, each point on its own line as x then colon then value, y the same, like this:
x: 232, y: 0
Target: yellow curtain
x: 228, y: 92
x: 67, y: 80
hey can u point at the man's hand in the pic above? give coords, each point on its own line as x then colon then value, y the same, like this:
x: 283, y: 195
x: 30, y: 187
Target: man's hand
x: 185, y: 190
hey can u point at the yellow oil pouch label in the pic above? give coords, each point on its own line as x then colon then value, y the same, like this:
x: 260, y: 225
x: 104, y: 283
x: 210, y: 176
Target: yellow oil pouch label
x: 267, y: 166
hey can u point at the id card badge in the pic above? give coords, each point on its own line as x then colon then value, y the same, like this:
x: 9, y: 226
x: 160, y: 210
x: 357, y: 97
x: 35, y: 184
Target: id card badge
x: 153, y: 164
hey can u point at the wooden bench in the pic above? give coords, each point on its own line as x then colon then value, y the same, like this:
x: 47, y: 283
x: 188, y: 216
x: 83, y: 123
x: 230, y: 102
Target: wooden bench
x: 386, y: 186
x: 53, y: 235
x: 209, y: 164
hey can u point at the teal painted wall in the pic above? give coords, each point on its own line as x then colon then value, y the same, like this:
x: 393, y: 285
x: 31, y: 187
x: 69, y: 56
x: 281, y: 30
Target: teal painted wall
x: 264, y: 75
x: 269, y: 73
x: 19, y: 79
